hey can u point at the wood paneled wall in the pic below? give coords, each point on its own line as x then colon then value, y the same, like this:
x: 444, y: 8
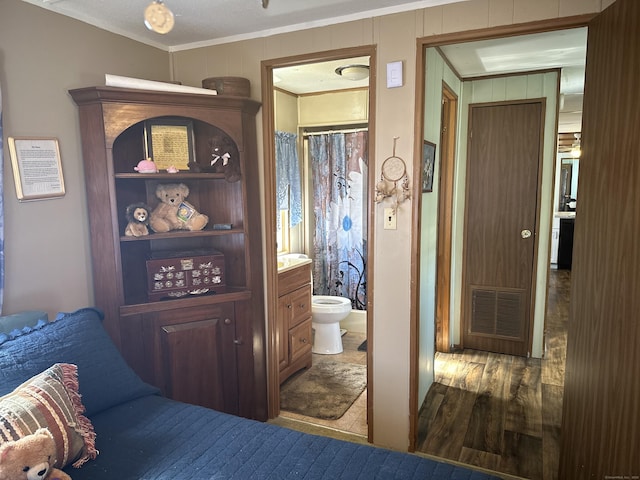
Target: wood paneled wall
x: 601, y: 417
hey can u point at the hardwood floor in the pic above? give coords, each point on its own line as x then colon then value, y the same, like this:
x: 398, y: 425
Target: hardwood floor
x: 354, y: 421
x: 502, y: 412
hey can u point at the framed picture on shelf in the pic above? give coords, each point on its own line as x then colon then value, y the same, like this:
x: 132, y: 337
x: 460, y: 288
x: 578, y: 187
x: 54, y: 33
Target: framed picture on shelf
x: 169, y: 143
x: 428, y: 165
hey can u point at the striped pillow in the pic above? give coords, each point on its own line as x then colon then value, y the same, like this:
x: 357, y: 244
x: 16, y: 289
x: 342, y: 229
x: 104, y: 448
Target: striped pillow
x: 51, y: 400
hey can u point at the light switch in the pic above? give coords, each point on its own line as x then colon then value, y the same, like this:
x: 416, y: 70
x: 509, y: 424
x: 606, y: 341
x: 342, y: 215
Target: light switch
x: 394, y: 74
x: 389, y: 219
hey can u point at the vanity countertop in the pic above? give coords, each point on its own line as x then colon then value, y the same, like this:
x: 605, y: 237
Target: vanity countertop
x: 289, y: 263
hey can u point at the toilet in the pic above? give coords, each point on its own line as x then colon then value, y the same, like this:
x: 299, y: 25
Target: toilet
x: 326, y: 312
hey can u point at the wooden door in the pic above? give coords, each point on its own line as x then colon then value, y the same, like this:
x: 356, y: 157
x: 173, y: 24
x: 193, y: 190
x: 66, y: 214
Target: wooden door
x: 502, y: 187
x: 601, y: 412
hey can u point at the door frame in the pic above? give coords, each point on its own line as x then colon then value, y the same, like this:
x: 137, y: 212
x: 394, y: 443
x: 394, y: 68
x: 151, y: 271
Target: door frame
x: 448, y: 142
x: 269, y: 165
x: 423, y: 43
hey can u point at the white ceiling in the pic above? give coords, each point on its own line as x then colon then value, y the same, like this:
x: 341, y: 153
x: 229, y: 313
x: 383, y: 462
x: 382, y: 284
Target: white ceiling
x: 209, y: 22
x: 564, y: 49
x: 200, y: 23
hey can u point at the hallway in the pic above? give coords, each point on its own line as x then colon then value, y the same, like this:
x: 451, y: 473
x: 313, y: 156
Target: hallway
x: 502, y: 412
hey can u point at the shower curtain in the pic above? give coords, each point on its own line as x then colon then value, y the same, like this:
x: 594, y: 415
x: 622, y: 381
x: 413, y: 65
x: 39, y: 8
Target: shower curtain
x: 339, y: 170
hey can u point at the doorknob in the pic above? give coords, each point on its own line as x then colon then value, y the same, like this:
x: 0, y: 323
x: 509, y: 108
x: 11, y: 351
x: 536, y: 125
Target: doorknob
x: 525, y: 233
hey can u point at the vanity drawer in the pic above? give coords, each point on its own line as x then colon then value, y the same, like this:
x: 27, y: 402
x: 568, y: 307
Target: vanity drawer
x: 300, y: 304
x: 300, y: 340
x: 292, y: 279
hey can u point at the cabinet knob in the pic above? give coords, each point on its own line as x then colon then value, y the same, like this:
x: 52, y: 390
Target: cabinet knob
x: 302, y: 305
x: 304, y: 340
x: 238, y: 341
x: 289, y: 305
x: 227, y: 321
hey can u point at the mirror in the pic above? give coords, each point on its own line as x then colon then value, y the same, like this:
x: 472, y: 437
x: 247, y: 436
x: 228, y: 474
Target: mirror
x: 567, y: 183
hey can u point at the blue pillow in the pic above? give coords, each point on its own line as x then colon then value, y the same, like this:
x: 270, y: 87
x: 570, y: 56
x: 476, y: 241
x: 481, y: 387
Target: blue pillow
x: 79, y: 338
x: 18, y: 321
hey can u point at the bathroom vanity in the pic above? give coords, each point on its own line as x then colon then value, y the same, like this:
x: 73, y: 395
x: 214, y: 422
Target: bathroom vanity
x: 293, y: 330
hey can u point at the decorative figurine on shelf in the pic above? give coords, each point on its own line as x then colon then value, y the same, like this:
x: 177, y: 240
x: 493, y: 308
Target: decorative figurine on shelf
x: 138, y: 217
x: 146, y: 166
x: 172, y: 169
x: 174, y: 212
x: 224, y: 158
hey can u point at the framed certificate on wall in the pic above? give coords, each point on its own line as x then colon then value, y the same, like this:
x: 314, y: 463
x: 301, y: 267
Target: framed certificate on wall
x: 37, y: 169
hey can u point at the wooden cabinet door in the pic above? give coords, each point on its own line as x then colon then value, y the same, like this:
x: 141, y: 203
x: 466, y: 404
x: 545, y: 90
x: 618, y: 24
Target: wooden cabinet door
x: 196, y: 356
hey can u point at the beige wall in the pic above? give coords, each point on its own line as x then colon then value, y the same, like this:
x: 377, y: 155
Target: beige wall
x: 42, y: 55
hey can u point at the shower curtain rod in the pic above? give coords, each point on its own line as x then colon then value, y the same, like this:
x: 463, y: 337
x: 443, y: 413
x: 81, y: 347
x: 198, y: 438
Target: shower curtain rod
x: 345, y: 130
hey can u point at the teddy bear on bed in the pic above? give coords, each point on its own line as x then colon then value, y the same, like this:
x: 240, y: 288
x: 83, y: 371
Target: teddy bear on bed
x: 174, y: 212
x: 30, y: 458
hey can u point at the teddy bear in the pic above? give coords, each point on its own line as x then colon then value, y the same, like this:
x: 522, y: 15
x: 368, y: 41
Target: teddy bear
x: 138, y: 217
x: 173, y: 212
x: 224, y: 158
x: 30, y: 458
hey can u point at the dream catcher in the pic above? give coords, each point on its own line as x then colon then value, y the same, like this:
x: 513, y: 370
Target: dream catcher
x: 394, y: 182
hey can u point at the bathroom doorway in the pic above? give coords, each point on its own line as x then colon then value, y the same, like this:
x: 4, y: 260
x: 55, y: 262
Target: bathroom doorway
x: 301, y: 103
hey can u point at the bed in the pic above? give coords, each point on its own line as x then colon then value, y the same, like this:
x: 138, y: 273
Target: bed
x: 135, y: 433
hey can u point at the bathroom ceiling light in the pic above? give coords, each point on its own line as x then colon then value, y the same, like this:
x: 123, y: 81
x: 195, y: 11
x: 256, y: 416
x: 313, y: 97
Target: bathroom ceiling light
x: 353, y: 72
x: 575, y: 148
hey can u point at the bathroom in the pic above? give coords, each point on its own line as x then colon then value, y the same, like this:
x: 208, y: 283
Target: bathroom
x: 321, y: 128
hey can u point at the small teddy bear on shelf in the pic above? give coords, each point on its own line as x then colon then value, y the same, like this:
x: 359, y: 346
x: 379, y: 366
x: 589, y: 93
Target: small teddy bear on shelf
x: 30, y: 458
x: 138, y: 217
x: 224, y: 158
x: 174, y: 212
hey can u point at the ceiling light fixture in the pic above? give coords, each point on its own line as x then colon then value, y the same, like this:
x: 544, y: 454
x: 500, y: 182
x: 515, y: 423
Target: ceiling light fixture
x: 353, y: 72
x: 158, y: 18
x: 576, y: 151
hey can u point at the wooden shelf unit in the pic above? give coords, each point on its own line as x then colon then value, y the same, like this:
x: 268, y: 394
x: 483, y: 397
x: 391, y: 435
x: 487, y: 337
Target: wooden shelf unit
x: 204, y: 349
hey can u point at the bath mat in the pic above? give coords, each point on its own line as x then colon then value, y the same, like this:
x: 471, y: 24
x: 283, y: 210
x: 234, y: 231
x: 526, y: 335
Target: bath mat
x: 363, y: 347
x: 325, y: 391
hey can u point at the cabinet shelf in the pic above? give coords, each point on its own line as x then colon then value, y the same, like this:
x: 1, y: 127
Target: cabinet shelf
x: 171, y: 176
x: 183, y: 234
x: 232, y: 295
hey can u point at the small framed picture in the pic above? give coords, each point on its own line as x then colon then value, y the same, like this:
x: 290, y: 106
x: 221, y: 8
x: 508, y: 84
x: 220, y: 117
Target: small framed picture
x: 37, y: 169
x: 428, y: 165
x: 169, y: 143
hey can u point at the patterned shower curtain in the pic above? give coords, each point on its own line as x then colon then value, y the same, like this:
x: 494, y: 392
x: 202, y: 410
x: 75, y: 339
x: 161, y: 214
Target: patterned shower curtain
x: 339, y: 169
x: 1, y: 209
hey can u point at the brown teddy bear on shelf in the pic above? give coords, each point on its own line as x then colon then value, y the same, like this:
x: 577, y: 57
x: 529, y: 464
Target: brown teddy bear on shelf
x: 30, y: 458
x: 224, y: 158
x: 173, y: 212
